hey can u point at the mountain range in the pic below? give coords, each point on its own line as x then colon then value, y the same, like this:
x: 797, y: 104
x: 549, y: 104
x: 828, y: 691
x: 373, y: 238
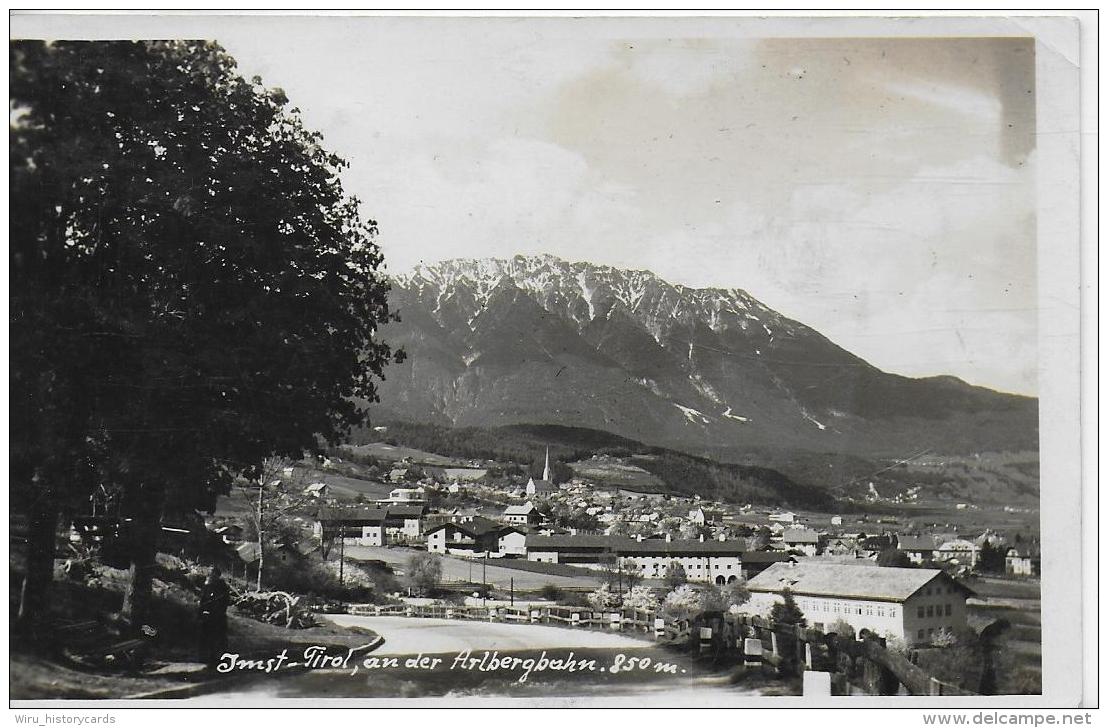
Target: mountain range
x: 539, y: 340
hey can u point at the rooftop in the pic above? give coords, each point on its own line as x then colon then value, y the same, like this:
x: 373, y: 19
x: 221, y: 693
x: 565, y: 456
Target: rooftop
x: 848, y: 580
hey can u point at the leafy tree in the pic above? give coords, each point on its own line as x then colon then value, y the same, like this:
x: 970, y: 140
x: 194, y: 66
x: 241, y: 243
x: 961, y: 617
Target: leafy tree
x: 602, y: 598
x: 192, y: 290
x: 273, y: 498
x: 991, y: 558
x: 675, y: 576
x: 842, y: 628
x: 630, y: 573
x: 423, y: 572
x: 723, y: 598
x: 640, y: 597
x: 786, y: 611
x: 550, y: 592
x: 682, y: 603
x: 894, y: 557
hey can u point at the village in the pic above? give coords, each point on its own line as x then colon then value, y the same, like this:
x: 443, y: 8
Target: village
x: 533, y: 539
x: 355, y: 535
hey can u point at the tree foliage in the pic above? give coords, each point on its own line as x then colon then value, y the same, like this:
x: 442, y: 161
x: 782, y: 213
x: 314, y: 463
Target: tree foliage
x: 423, y: 572
x: 682, y: 602
x: 787, y: 612
x: 724, y: 598
x: 675, y: 576
x: 991, y: 559
x: 602, y: 598
x: 894, y: 557
x: 192, y: 290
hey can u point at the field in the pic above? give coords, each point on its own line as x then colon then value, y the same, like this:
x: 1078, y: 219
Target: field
x: 1020, y: 603
x: 392, y: 453
x: 497, y: 572
x: 607, y: 470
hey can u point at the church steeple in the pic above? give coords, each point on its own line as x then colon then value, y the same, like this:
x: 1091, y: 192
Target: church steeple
x: 546, y: 468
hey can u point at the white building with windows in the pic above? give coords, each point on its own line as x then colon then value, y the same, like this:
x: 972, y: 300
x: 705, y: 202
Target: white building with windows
x: 913, y: 605
x: 716, y: 562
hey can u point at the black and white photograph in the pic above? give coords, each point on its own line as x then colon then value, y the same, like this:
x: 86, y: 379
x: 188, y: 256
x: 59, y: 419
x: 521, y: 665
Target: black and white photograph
x: 571, y: 361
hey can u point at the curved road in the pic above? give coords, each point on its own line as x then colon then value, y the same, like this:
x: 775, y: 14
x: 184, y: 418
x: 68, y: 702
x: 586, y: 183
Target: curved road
x: 409, y: 636
x: 687, y: 683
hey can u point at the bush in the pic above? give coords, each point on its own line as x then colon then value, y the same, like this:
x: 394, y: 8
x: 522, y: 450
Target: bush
x: 682, y: 602
x: 423, y: 572
x: 602, y: 598
x: 640, y: 597
x: 675, y: 576
x: 550, y: 593
x: 842, y: 628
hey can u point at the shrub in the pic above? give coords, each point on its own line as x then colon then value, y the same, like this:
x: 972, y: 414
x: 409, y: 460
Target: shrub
x: 550, y: 593
x: 602, y: 598
x: 640, y: 597
x: 842, y: 628
x: 682, y: 602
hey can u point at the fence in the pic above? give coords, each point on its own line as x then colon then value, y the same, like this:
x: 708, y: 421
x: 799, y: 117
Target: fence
x: 866, y: 663
x: 630, y: 621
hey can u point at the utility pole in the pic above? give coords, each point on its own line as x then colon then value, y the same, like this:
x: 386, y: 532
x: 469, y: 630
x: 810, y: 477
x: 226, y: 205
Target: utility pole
x: 513, y: 590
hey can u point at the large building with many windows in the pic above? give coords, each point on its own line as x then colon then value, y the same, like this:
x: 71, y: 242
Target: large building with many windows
x: 909, y: 604
x: 717, y: 562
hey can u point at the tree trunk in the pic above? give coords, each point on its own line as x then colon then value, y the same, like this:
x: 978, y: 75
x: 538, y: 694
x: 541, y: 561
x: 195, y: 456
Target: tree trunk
x: 261, y: 561
x: 146, y: 525
x: 42, y: 527
x: 261, y: 534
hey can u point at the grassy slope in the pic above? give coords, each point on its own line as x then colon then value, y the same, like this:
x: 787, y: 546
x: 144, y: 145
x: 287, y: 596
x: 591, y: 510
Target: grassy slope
x: 678, y: 472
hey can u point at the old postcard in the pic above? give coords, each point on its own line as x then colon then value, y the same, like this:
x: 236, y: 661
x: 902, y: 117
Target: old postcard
x: 505, y: 361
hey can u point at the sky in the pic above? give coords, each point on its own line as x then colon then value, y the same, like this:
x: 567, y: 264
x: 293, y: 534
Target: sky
x: 880, y: 190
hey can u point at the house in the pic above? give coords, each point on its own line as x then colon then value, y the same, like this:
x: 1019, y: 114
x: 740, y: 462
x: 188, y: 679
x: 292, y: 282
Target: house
x: 356, y: 527
x: 958, y: 551
x: 1021, y: 562
x: 836, y: 520
x: 917, y: 548
x: 717, y: 562
x: 316, y: 490
x: 404, y: 523
x: 511, y: 541
x: 909, y: 604
x: 786, y: 517
x: 801, y: 539
x: 476, y: 536
x: 406, y: 495
x: 698, y: 517
x: 398, y: 475
x: 526, y: 514
x: 248, y: 552
x: 230, y: 533
x: 755, y: 562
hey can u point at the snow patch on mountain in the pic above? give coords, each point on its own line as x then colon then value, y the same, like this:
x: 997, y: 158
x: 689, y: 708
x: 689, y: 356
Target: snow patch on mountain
x: 813, y: 420
x: 738, y: 418
x: 694, y: 416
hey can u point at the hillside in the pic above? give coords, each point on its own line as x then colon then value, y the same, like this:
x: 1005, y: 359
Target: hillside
x: 540, y: 340
x: 660, y: 469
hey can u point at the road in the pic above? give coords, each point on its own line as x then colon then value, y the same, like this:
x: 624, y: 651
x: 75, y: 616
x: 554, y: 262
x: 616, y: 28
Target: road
x: 409, y: 636
x: 427, y: 658
x: 472, y: 570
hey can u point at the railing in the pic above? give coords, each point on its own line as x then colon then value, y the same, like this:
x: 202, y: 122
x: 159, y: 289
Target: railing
x: 754, y: 640
x: 622, y: 620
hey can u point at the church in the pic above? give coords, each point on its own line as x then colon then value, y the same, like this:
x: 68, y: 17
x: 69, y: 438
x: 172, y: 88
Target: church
x: 544, y: 486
